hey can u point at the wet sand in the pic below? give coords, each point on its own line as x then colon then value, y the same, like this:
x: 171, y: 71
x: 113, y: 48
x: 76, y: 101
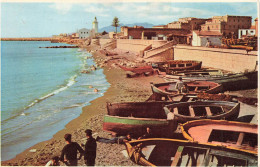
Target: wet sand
x: 122, y: 89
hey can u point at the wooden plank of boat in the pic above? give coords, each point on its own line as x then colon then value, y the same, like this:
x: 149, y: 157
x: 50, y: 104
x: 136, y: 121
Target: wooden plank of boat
x: 208, y: 111
x: 191, y: 111
x: 177, y: 156
x: 161, y: 151
x: 233, y: 135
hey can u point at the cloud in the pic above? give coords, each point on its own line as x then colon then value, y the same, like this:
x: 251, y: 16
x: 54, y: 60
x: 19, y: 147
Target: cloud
x: 159, y: 12
x: 97, y: 10
x: 61, y: 8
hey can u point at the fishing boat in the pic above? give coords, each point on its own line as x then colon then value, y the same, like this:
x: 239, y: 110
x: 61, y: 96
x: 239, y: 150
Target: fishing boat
x: 203, y: 73
x: 234, y: 135
x: 231, y: 81
x: 138, y: 70
x: 173, y: 152
x: 194, y: 87
x: 171, y: 66
x: 134, y: 117
x: 187, y: 111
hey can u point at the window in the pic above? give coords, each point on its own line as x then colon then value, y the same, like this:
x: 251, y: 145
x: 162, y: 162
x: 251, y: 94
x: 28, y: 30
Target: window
x: 234, y: 20
x: 234, y: 26
x: 229, y: 26
x: 238, y: 26
x: 251, y: 31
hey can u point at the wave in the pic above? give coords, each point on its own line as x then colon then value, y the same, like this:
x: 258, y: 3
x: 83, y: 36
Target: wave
x: 71, y: 81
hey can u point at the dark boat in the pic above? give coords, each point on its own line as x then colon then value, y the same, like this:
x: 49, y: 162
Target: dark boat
x: 234, y: 135
x: 171, y: 66
x: 194, y: 87
x: 187, y: 111
x: 135, y: 117
x: 172, y: 152
x: 232, y: 81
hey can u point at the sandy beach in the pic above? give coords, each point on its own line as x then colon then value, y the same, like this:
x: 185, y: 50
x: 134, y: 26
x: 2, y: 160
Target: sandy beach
x: 122, y: 89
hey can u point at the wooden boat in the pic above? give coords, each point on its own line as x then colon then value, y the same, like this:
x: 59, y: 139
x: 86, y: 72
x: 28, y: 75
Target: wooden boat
x: 193, y: 86
x: 237, y: 135
x: 138, y: 70
x: 171, y: 66
x: 187, y: 111
x: 233, y: 81
x: 134, y: 117
x: 172, y: 152
x: 203, y: 73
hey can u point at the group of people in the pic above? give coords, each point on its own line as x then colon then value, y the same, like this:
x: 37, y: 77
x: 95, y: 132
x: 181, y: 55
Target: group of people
x: 70, y: 151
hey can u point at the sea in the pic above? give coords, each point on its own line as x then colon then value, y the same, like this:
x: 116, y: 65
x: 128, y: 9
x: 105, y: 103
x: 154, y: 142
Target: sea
x: 42, y: 89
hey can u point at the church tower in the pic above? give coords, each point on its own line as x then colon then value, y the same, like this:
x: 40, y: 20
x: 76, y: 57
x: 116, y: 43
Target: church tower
x: 95, y: 25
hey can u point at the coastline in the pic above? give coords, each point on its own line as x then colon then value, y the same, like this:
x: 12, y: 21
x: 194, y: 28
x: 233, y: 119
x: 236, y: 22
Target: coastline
x: 121, y: 89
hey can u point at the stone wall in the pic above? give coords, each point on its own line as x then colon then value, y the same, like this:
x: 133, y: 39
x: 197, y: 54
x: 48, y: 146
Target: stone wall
x: 227, y: 59
x: 104, y: 41
x: 164, y: 55
x: 137, y: 45
x: 157, y: 50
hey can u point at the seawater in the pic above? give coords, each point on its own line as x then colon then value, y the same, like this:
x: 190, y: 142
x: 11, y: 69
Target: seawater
x: 42, y: 90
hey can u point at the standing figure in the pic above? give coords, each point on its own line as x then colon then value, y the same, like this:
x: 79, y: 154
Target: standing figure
x: 148, y: 134
x: 70, y: 152
x: 90, y: 149
x: 179, y: 85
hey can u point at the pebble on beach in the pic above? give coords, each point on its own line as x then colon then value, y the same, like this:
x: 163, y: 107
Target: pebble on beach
x: 95, y: 90
x: 90, y: 86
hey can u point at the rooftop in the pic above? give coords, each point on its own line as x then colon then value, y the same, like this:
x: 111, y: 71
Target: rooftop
x: 208, y: 33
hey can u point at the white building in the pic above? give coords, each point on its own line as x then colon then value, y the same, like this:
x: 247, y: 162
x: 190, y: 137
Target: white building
x: 95, y: 25
x: 85, y: 33
x: 200, y: 38
x: 246, y: 33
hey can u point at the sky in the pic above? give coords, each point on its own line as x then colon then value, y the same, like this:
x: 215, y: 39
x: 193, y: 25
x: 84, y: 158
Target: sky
x: 47, y: 19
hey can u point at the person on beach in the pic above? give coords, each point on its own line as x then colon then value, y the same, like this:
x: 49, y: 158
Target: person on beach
x: 119, y: 140
x: 70, y: 152
x: 54, y: 161
x: 185, y: 89
x: 148, y: 134
x: 90, y: 149
x: 179, y: 85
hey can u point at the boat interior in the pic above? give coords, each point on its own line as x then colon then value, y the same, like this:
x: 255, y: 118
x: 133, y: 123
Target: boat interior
x: 175, y: 154
x: 197, y: 110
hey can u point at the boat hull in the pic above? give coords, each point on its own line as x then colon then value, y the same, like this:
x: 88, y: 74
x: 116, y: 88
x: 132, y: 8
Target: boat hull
x: 120, y: 126
x: 172, y: 152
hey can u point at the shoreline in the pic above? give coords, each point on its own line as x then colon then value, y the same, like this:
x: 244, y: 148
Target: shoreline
x: 91, y: 117
x: 121, y: 89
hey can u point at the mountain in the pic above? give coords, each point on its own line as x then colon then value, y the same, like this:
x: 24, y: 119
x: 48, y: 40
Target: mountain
x: 111, y: 28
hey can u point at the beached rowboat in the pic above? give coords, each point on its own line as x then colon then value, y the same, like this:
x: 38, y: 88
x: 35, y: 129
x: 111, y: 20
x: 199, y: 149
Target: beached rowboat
x: 170, y: 67
x: 194, y: 87
x: 172, y: 152
x: 134, y: 117
x: 138, y: 70
x: 231, y: 81
x: 234, y: 135
x: 187, y: 111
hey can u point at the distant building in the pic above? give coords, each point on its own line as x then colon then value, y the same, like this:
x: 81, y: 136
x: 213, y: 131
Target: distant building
x: 200, y: 38
x: 85, y: 33
x: 187, y: 23
x: 139, y: 32
x: 256, y: 27
x: 243, y: 33
x: 227, y: 25
x: 75, y: 36
x: 95, y: 25
x: 160, y: 26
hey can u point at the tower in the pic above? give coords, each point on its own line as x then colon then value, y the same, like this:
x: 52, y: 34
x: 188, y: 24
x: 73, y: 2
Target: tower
x: 95, y: 25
